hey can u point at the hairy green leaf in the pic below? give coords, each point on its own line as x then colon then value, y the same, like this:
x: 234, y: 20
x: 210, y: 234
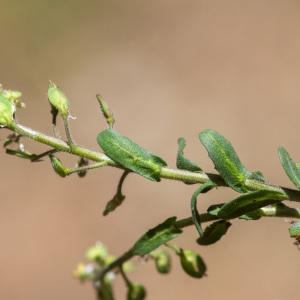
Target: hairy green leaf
x: 249, y: 202
x: 294, y: 230
x: 214, y: 232
x: 225, y: 159
x: 118, y: 198
x: 195, y: 215
x: 156, y: 237
x: 182, y: 162
x: 130, y: 155
x: 289, y: 166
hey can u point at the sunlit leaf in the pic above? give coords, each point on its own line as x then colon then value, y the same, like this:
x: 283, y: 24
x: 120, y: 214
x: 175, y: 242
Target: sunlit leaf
x: 156, y: 237
x: 130, y: 155
x: 289, y: 166
x: 182, y: 162
x: 249, y: 202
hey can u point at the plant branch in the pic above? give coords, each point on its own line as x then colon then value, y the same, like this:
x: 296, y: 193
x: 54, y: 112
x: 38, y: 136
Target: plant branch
x: 166, y: 173
x: 270, y: 211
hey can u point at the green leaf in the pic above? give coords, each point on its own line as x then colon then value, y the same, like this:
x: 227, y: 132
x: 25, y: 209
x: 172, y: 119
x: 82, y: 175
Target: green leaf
x: 195, y: 215
x: 130, y: 155
x: 182, y: 162
x: 214, y: 232
x: 256, y: 175
x: 156, y: 237
x: 294, y: 230
x: 251, y: 216
x: 192, y: 263
x: 118, y: 198
x: 214, y: 209
x: 249, y: 202
x: 225, y: 159
x: 289, y: 166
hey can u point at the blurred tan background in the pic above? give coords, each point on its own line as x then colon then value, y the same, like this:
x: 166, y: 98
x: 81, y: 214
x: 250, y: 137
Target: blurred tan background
x: 167, y: 69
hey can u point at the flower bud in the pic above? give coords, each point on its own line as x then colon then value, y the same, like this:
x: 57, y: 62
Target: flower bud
x: 136, y: 292
x: 7, y: 110
x: 58, y: 100
x: 97, y: 253
x: 84, y: 272
x: 162, y: 262
x: 192, y: 263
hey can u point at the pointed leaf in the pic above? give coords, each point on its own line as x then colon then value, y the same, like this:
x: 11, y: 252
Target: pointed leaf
x: 249, y: 202
x: 130, y: 155
x: 182, y: 162
x: 289, y: 166
x: 156, y: 237
x: 225, y: 159
x: 214, y: 232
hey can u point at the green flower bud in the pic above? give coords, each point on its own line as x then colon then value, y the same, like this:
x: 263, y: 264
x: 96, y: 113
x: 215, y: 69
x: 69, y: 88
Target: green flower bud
x: 14, y: 96
x: 97, y: 253
x: 58, y: 166
x: 7, y: 110
x: 58, y: 100
x: 84, y: 272
x: 136, y: 292
x: 162, y: 261
x: 192, y: 263
x: 294, y: 230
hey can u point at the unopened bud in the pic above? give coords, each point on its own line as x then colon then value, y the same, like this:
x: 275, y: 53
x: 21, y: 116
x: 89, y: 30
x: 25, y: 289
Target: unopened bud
x: 162, y: 262
x: 97, y: 253
x: 84, y: 272
x: 136, y: 292
x: 58, y: 100
x: 7, y: 110
x: 192, y: 263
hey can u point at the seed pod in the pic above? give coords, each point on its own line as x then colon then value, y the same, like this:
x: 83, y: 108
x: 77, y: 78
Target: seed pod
x: 192, y: 263
x: 7, y: 110
x: 162, y: 261
x: 136, y: 292
x: 58, y: 100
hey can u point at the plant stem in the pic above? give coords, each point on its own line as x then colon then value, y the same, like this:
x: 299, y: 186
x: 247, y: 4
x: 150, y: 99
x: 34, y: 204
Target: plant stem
x: 166, y: 173
x: 270, y: 211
